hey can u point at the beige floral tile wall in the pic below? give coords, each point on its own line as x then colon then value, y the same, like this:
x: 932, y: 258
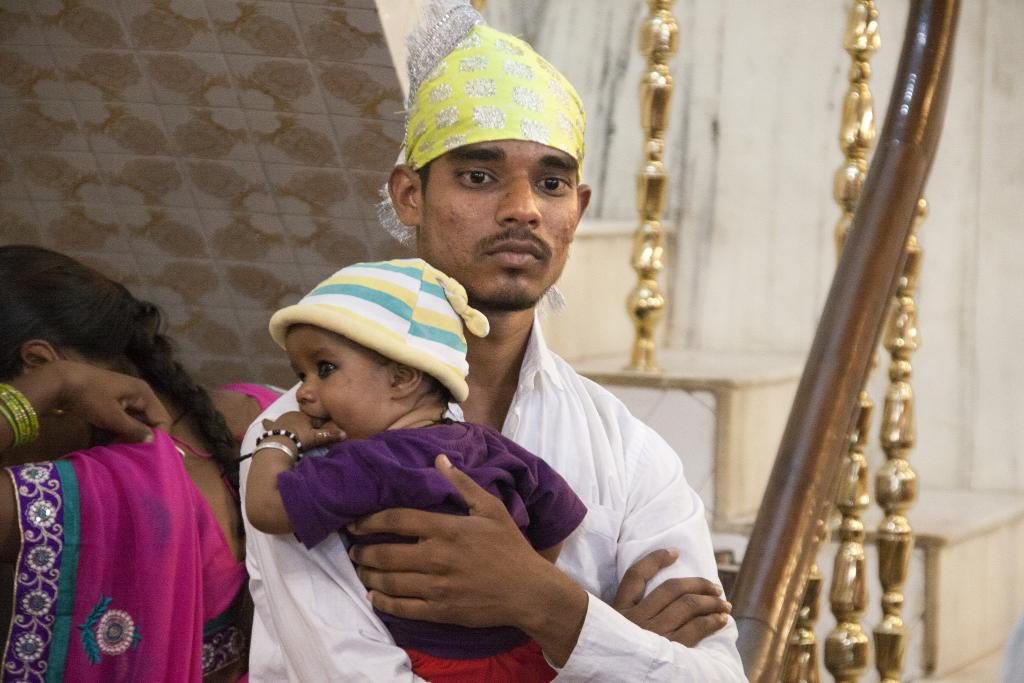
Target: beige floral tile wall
x: 219, y: 157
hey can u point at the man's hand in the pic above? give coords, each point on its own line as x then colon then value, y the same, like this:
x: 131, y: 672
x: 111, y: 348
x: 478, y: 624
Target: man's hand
x: 474, y: 571
x: 683, y: 610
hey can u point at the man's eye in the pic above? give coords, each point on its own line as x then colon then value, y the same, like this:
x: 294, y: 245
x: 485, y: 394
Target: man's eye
x: 553, y: 184
x: 323, y: 368
x: 477, y: 177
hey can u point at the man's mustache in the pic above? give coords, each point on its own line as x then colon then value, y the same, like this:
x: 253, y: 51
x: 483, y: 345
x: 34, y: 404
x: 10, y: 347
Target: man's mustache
x: 516, y: 236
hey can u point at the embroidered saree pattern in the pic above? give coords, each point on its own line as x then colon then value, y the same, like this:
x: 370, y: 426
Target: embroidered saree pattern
x: 47, y: 495
x: 223, y: 641
x: 121, y: 565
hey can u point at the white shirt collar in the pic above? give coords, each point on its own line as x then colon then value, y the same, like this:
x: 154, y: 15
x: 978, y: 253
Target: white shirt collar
x: 539, y: 363
x: 539, y: 367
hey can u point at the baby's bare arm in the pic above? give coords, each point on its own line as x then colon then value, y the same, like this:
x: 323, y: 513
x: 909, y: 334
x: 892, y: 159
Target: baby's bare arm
x: 263, y: 504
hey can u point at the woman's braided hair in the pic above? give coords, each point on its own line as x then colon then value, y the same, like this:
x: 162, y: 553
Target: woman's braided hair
x: 47, y: 295
x: 152, y: 354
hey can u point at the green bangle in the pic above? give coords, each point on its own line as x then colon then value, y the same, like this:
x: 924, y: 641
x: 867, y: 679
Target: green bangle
x: 20, y: 414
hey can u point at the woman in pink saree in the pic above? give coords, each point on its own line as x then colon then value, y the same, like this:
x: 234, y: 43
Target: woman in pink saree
x: 127, y: 556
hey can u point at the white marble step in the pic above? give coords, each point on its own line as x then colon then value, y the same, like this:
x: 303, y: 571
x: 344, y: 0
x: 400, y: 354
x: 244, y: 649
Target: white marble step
x: 724, y: 414
x: 982, y: 671
x: 965, y: 588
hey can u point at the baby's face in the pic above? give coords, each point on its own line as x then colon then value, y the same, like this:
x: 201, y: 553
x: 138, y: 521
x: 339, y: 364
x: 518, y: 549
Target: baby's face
x: 341, y: 381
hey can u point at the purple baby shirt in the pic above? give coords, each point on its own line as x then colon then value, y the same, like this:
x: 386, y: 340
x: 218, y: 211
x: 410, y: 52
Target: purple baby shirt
x: 396, y: 469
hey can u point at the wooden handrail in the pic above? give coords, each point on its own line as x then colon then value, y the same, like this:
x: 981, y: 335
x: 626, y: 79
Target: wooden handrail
x: 783, y: 542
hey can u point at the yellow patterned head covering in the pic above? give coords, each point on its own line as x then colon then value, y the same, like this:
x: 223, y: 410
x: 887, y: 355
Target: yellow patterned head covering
x: 493, y: 86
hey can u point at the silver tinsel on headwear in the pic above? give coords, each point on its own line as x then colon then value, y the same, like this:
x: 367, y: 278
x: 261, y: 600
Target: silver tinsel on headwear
x: 443, y: 25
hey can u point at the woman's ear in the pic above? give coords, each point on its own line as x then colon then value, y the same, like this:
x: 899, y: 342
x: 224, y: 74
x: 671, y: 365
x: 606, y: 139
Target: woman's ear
x: 36, y: 352
x: 405, y: 380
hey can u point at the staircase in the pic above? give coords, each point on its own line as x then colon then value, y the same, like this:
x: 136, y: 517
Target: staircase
x: 724, y: 414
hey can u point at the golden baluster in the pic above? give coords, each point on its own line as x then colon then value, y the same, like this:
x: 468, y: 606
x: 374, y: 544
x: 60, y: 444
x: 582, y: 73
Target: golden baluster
x: 658, y: 42
x: 846, y: 647
x: 896, y: 481
x: 800, y: 662
x: 857, y: 132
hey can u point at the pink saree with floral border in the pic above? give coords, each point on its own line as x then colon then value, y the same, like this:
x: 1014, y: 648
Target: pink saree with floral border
x: 123, y: 572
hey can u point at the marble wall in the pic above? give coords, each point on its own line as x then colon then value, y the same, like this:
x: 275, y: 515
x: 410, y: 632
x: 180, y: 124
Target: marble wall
x: 752, y: 149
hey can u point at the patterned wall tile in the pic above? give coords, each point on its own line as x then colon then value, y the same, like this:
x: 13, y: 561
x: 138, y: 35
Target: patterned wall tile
x: 114, y: 266
x: 19, y: 224
x: 364, y: 143
x: 145, y: 180
x: 30, y: 72
x: 84, y: 227
x: 207, y: 330
x: 68, y: 176
x: 166, y: 25
x: 343, y: 34
x: 18, y: 26
x: 257, y: 28
x: 124, y: 128
x: 11, y: 185
x: 357, y: 4
x: 235, y: 185
x: 164, y: 232
x: 88, y: 23
x: 202, y: 133
x: 359, y: 90
x: 367, y: 186
x: 198, y: 79
x: 254, y: 336
x: 102, y: 75
x: 326, y: 245
x: 218, y: 157
x: 264, y: 286
x: 305, y: 139
x: 275, y: 84
x: 40, y: 125
x: 316, y: 191
x: 172, y: 282
x: 252, y: 237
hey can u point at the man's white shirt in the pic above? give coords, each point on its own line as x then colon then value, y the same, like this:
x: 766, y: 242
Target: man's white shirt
x: 313, y: 621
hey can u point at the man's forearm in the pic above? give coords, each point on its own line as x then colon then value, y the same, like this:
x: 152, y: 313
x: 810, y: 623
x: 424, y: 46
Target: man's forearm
x: 552, y: 613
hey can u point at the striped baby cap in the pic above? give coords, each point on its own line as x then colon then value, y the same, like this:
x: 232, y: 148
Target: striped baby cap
x: 404, y: 309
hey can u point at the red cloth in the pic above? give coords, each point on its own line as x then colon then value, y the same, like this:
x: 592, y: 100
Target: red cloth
x: 523, y: 664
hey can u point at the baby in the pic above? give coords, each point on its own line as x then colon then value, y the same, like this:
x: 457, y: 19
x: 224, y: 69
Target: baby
x: 380, y: 351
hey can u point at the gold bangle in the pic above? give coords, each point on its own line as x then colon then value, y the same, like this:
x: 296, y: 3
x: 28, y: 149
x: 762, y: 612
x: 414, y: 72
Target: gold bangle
x: 20, y: 414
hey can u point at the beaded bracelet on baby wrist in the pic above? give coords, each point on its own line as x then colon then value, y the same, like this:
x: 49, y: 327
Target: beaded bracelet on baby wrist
x: 20, y: 414
x: 277, y: 447
x: 280, y: 432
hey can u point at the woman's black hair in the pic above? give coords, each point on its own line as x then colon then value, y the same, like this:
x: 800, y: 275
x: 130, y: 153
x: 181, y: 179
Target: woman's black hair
x: 47, y: 295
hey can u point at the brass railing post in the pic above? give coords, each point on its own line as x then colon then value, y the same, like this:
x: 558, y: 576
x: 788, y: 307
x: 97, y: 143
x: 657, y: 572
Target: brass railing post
x: 857, y: 132
x: 846, y: 647
x: 800, y: 663
x: 771, y: 584
x: 895, y: 481
x: 658, y: 42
